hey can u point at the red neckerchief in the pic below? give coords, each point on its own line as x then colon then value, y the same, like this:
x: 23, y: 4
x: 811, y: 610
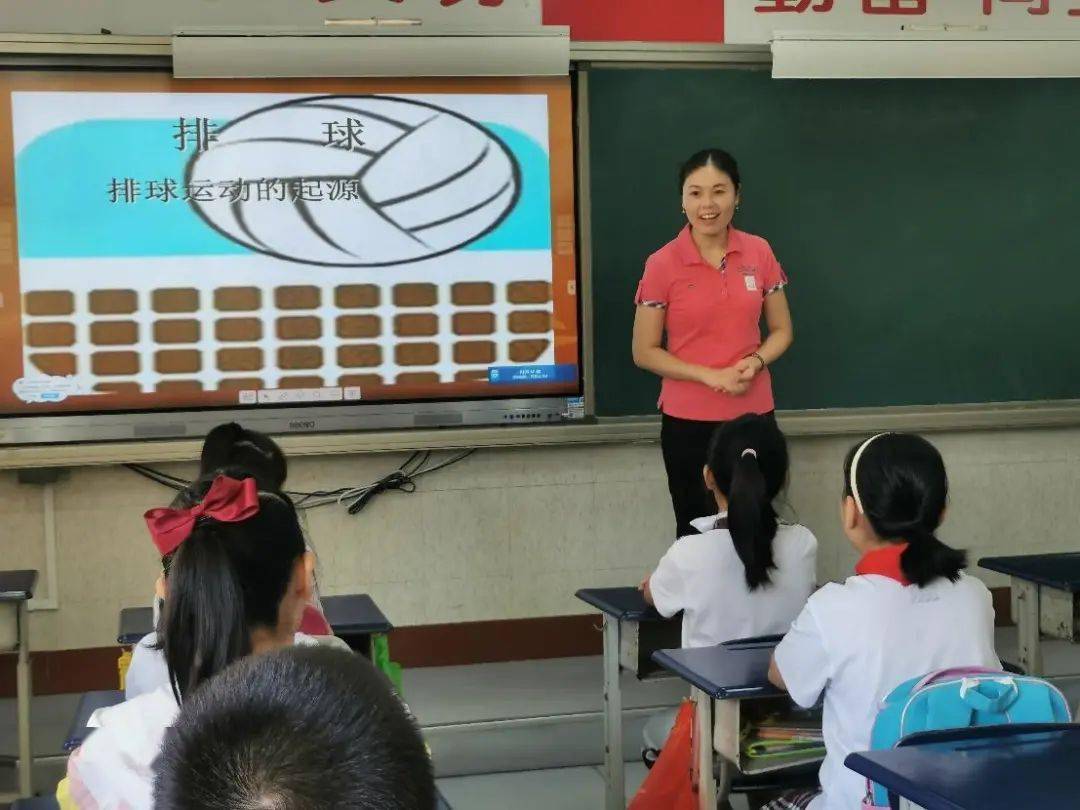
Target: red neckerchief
x: 884, y: 562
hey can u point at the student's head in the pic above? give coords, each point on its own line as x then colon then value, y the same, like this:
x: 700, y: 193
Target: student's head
x: 237, y: 576
x: 306, y: 728
x: 230, y: 446
x: 895, y: 491
x: 710, y: 186
x: 745, y: 469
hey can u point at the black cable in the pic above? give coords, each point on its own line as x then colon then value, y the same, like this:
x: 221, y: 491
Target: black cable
x: 460, y: 457
x: 403, y: 479
x: 159, y: 477
x: 398, y: 480
x: 300, y: 497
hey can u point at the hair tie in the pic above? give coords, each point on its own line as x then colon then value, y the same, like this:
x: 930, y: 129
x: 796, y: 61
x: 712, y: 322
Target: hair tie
x: 749, y: 451
x: 228, y: 501
x: 855, y: 466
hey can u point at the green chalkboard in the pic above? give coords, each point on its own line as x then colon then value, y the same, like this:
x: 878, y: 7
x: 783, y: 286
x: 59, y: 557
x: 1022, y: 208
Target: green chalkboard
x: 930, y: 229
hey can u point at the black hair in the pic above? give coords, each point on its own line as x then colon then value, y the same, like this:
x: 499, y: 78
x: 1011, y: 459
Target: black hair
x: 225, y: 580
x: 303, y: 728
x: 717, y: 158
x: 903, y: 489
x: 748, y: 458
x: 231, y: 445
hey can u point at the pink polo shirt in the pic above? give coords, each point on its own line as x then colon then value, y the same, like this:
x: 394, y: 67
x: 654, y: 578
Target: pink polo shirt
x: 712, y: 318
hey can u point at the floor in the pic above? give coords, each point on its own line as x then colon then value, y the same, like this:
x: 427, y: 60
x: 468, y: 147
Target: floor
x: 502, y: 735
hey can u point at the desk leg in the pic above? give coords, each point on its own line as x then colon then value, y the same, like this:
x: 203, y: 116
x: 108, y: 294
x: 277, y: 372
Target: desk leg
x: 725, y: 739
x: 615, y: 795
x: 905, y: 804
x: 22, y: 688
x: 1027, y: 601
x: 703, y: 749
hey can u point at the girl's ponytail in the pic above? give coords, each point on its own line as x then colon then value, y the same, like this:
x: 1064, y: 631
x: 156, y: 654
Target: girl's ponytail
x: 898, y: 482
x: 751, y: 519
x: 748, y: 459
x: 926, y: 558
x: 204, y: 626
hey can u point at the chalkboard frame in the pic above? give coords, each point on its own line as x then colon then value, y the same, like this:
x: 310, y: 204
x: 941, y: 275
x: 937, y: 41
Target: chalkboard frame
x: 597, y: 362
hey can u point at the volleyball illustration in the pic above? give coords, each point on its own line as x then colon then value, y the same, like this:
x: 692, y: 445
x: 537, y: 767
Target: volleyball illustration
x: 354, y: 181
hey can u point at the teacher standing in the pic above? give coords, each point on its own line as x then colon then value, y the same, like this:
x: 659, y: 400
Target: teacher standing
x: 708, y: 289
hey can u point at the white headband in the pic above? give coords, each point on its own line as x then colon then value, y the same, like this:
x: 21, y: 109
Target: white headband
x: 749, y: 451
x: 855, y: 466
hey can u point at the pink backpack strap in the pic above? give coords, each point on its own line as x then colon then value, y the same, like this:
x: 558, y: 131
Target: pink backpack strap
x: 953, y: 672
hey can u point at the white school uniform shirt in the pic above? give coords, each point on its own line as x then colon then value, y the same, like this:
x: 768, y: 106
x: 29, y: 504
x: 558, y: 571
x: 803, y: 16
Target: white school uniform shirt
x: 113, y: 769
x: 702, y: 575
x: 860, y: 640
x: 148, y: 672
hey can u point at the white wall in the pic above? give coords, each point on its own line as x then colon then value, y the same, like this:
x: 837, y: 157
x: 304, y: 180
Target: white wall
x: 513, y: 533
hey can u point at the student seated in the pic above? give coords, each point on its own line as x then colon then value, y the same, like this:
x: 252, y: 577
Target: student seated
x: 237, y: 452
x: 745, y: 573
x: 298, y: 729
x: 908, y: 610
x: 238, y: 580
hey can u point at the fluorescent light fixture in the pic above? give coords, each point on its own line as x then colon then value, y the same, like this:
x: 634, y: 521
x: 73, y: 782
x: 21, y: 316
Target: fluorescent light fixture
x: 371, y: 50
x: 372, y: 22
x: 919, y: 55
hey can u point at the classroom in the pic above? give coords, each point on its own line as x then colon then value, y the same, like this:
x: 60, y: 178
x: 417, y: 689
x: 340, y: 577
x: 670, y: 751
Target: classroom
x: 567, y: 366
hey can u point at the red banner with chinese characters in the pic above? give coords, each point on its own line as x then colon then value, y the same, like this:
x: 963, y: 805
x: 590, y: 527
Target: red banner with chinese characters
x: 639, y: 20
x: 755, y: 21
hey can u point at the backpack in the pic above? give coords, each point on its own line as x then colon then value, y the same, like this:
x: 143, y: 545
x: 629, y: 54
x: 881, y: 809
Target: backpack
x: 962, y: 697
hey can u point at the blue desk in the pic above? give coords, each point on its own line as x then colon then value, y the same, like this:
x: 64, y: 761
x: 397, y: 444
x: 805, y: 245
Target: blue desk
x: 1047, y: 591
x: 38, y: 803
x: 16, y: 590
x: 734, y: 669
x: 989, y: 768
x: 632, y: 631
x: 721, y: 678
x: 355, y: 618
x: 134, y: 624
x: 89, y: 703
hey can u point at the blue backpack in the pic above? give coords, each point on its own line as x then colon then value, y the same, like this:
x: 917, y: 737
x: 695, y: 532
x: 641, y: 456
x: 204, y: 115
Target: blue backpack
x: 962, y: 697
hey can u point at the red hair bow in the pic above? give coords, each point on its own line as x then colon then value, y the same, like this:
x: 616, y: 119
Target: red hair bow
x: 228, y: 500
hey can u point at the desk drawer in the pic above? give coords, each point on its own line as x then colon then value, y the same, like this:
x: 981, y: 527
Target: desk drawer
x: 1059, y: 614
x: 638, y: 641
x: 731, y: 716
x: 9, y: 626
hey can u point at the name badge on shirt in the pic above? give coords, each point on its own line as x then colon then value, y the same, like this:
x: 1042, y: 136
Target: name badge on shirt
x: 750, y: 281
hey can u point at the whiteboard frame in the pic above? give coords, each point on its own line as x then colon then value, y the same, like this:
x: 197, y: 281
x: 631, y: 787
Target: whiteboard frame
x: 610, y: 430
